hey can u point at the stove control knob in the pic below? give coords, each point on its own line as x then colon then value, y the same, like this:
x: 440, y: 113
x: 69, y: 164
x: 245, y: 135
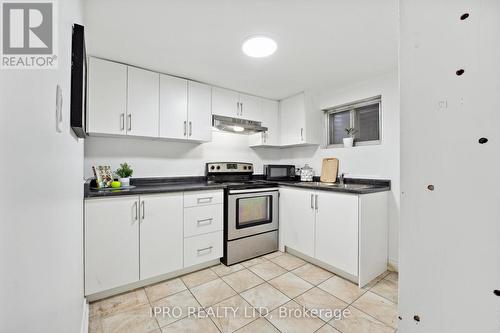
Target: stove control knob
x: 249, y: 167
x: 244, y: 167
x: 218, y: 167
x: 212, y: 167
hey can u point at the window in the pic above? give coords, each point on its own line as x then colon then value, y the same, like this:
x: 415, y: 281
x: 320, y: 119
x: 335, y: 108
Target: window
x: 363, y: 115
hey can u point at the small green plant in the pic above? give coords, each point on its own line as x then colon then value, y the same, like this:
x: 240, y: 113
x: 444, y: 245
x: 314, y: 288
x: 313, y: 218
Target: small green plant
x: 351, y: 131
x: 124, y: 171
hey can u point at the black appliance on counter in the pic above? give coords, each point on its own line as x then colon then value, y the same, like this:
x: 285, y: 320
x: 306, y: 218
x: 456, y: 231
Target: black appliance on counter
x: 279, y: 172
x: 251, y: 211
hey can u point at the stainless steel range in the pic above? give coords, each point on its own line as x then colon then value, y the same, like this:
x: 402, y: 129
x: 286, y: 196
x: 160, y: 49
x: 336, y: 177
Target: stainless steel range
x: 251, y: 211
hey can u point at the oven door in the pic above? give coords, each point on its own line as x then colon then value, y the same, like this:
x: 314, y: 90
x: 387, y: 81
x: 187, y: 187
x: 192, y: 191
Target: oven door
x: 252, y: 211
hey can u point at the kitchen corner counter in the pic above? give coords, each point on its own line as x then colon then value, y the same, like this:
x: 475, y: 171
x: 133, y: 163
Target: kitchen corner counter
x: 184, y: 184
x: 154, y: 185
x: 351, y: 185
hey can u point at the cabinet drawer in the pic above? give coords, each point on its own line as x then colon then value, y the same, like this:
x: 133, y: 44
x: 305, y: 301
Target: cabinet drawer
x: 202, y: 198
x: 202, y: 248
x: 202, y: 220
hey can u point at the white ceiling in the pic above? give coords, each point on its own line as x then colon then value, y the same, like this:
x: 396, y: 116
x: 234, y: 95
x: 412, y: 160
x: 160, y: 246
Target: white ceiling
x: 320, y: 42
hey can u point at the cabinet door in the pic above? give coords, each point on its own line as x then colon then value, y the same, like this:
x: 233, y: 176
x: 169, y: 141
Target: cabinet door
x: 297, y: 219
x: 270, y: 119
x: 199, y: 111
x: 161, y: 234
x: 337, y: 230
x: 107, y: 97
x: 111, y: 243
x: 225, y: 102
x: 250, y: 107
x: 142, y: 102
x: 173, y: 107
x: 292, y: 120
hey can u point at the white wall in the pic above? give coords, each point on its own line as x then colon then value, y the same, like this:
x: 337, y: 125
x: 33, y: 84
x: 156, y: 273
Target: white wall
x: 41, y: 230
x: 375, y: 161
x: 151, y: 158
x: 450, y: 248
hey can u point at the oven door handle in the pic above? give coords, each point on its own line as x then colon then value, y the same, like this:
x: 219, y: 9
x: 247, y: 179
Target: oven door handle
x: 254, y: 190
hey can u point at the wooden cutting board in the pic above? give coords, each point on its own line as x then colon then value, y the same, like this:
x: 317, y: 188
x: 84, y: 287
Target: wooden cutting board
x: 329, y: 170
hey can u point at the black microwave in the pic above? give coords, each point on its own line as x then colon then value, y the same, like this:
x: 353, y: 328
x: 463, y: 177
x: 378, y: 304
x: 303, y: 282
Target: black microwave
x: 279, y: 172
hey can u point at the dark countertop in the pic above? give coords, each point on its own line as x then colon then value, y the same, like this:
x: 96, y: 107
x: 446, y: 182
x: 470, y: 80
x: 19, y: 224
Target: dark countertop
x: 351, y: 185
x: 154, y: 185
x: 182, y: 184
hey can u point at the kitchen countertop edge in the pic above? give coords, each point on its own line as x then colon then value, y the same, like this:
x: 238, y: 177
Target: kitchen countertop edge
x: 186, y: 184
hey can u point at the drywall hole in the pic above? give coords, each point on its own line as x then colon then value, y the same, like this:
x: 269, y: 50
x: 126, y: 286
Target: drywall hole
x: 400, y: 318
x: 482, y: 140
x: 460, y: 72
x: 430, y: 187
x: 464, y: 16
x: 416, y: 318
x: 496, y: 292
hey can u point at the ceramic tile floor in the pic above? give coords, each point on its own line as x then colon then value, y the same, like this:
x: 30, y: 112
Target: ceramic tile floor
x: 262, y: 290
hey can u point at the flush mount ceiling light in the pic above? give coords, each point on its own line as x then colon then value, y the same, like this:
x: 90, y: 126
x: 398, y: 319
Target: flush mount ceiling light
x: 259, y: 46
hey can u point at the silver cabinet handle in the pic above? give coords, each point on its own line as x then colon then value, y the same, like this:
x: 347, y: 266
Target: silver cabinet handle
x: 209, y: 249
x: 136, y: 215
x: 122, y: 121
x: 237, y: 108
x: 129, y: 122
x: 143, y: 210
x: 204, y: 221
x: 316, y: 202
x: 241, y: 109
x: 301, y: 134
x: 185, y: 128
x: 205, y: 200
x: 190, y: 128
x: 312, y: 201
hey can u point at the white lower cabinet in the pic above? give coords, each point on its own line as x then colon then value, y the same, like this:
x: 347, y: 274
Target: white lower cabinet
x: 297, y: 219
x: 202, y: 248
x: 161, y: 234
x: 347, y: 232
x: 337, y: 230
x: 111, y: 243
x: 134, y: 238
x: 202, y: 220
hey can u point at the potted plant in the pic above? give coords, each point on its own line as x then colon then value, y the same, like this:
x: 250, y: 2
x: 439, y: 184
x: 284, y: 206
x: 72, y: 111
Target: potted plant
x: 349, y: 141
x: 124, y: 172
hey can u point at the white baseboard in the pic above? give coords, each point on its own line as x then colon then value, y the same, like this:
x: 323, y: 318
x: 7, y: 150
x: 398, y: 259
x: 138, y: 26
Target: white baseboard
x: 85, y: 317
x: 392, y: 265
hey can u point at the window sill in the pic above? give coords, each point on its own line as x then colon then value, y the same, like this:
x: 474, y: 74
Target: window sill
x: 356, y: 144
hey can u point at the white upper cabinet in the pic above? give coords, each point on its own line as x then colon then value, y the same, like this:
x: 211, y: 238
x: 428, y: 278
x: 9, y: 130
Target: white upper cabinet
x: 250, y: 107
x: 142, y: 102
x: 173, y: 107
x: 235, y: 105
x: 185, y: 109
x: 300, y: 121
x: 199, y: 112
x: 107, y: 97
x: 225, y: 102
x: 270, y: 119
